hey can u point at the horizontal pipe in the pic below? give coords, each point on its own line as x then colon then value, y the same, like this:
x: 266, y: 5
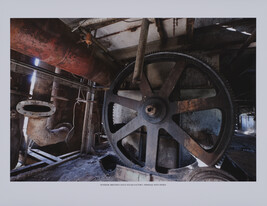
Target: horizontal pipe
x: 51, y: 41
x: 50, y: 74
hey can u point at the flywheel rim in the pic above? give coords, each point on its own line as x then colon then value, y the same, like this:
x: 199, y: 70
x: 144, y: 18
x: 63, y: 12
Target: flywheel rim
x: 210, y: 157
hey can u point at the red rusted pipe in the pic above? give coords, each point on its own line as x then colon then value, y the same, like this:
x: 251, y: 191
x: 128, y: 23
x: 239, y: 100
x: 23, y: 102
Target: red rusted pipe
x: 53, y: 42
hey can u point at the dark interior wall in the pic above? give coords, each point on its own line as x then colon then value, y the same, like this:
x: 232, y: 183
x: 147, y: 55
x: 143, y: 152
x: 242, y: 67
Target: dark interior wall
x: 241, y: 75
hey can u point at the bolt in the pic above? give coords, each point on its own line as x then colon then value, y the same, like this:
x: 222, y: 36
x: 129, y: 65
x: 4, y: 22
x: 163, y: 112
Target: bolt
x: 151, y: 110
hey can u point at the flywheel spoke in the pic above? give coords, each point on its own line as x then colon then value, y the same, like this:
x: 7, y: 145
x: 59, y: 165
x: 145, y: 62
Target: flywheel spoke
x: 124, y: 101
x: 192, y: 146
x: 172, y: 79
x: 198, y: 104
x: 151, y: 147
x: 145, y: 87
x: 127, y: 129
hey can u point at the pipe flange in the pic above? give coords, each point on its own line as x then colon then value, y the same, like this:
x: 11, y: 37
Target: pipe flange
x: 35, y: 108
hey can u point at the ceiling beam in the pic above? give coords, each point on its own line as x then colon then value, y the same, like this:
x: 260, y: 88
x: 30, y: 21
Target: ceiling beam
x: 95, y: 23
x: 162, y: 33
x: 190, y: 28
x: 207, y: 38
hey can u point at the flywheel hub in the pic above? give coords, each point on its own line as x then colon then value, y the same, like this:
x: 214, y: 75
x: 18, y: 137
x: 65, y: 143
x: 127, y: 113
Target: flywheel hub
x: 154, y: 110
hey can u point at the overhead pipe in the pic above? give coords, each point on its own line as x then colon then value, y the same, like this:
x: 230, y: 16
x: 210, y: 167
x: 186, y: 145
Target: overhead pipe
x: 52, y: 41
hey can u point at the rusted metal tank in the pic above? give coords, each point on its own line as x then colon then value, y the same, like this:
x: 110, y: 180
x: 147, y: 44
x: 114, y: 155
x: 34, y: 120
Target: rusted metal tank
x: 53, y: 42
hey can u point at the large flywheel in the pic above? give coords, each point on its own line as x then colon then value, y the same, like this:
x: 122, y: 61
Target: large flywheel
x: 181, y: 107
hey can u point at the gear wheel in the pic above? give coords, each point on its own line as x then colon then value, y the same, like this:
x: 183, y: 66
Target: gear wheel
x: 191, y: 105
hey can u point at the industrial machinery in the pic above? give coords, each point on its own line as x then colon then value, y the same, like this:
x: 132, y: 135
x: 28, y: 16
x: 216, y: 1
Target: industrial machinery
x: 157, y: 124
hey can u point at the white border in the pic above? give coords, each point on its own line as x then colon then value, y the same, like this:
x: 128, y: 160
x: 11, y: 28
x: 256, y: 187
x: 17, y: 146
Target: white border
x: 84, y: 193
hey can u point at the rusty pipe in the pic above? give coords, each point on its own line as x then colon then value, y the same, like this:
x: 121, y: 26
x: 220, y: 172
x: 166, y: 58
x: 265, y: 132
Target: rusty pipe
x: 37, y: 130
x: 53, y: 42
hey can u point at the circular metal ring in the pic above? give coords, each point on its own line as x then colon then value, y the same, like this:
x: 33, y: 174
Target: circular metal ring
x: 35, y: 108
x: 208, y: 174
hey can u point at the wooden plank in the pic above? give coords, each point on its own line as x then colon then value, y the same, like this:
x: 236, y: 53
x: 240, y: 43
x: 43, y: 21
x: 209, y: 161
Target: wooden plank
x: 46, y: 155
x: 39, y: 157
x: 69, y: 154
x: 129, y: 174
x: 25, y: 175
x: 27, y: 168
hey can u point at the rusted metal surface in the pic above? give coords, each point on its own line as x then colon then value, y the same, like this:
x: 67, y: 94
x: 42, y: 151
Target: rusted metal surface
x: 41, y: 135
x: 35, y: 108
x: 38, y: 113
x: 52, y: 41
x: 138, y: 69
